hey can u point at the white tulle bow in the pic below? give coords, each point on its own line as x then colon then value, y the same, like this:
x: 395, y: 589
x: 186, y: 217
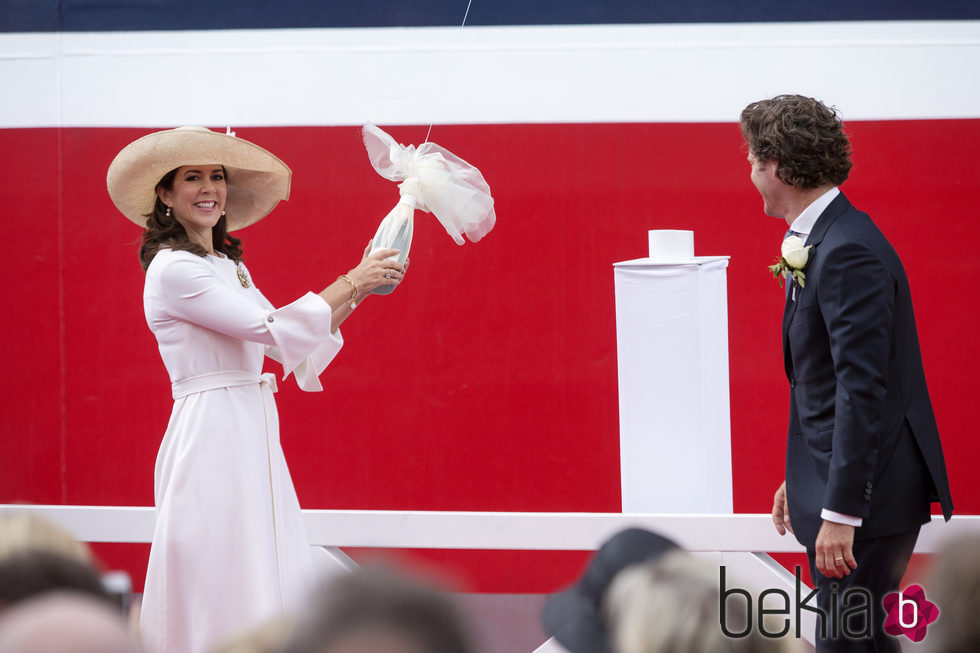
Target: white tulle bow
x: 432, y: 179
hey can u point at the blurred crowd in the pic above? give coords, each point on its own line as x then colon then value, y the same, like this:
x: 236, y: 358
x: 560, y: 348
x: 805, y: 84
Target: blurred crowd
x: 640, y: 593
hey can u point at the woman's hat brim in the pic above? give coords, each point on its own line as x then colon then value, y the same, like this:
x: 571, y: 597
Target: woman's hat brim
x: 255, y: 178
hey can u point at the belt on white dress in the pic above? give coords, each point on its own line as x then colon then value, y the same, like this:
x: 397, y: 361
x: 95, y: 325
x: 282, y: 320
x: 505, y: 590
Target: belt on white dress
x: 235, y: 378
x: 215, y: 380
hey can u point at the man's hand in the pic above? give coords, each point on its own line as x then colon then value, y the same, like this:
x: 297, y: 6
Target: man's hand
x: 780, y: 511
x: 834, y: 554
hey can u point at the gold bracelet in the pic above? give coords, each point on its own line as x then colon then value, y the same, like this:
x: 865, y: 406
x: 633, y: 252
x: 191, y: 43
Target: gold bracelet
x: 353, y: 292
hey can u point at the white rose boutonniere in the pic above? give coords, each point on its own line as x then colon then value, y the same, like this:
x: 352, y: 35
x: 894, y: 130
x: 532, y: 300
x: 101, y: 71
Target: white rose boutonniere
x: 793, y: 260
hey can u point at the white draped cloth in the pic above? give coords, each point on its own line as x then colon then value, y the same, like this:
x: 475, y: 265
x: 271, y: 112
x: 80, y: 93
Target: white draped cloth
x: 229, y: 548
x: 432, y: 179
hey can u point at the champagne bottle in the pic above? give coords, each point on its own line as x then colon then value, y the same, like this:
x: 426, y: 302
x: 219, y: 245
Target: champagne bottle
x: 395, y: 232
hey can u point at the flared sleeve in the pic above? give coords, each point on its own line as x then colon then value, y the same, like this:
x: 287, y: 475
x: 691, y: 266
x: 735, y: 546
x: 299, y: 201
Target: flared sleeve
x: 301, y: 344
x: 184, y: 286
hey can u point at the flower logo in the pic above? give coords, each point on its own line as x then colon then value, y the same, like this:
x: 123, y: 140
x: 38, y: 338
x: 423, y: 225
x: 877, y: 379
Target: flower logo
x: 909, y: 613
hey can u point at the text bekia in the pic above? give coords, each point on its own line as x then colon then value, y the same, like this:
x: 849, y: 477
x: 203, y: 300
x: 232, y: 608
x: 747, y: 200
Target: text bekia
x: 847, y: 611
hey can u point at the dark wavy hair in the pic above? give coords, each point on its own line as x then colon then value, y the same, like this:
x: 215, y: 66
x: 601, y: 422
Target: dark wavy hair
x: 804, y: 137
x: 165, y: 232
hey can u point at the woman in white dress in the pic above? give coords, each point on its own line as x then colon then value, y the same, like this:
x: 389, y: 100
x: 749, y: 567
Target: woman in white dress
x: 229, y: 548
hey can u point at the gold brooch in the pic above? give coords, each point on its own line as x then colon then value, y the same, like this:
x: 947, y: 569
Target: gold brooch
x: 242, y: 277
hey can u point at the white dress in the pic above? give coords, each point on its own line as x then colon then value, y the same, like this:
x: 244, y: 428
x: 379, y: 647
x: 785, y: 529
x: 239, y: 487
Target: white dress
x: 229, y: 548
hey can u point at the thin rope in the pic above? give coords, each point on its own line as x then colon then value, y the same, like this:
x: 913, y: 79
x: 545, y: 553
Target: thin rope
x: 445, y: 78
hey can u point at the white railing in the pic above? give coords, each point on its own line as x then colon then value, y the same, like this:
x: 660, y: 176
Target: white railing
x: 554, y: 531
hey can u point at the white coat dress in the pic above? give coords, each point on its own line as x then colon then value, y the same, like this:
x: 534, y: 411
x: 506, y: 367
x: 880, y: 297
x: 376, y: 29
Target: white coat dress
x: 229, y: 547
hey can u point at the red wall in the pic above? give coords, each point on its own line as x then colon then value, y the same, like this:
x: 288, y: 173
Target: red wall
x: 488, y: 381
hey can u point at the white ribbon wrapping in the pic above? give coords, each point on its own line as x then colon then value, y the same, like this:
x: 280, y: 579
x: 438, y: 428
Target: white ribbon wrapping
x: 434, y: 180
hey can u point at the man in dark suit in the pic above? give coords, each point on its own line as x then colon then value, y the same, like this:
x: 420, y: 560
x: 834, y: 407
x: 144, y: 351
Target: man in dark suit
x: 863, y: 459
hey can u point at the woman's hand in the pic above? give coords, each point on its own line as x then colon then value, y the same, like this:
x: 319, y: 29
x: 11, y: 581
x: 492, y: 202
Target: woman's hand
x: 371, y: 272
x: 374, y: 270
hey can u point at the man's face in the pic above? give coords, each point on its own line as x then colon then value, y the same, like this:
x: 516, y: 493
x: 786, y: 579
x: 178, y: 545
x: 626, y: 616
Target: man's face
x: 767, y: 183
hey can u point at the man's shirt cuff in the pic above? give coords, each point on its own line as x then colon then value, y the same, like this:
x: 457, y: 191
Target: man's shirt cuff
x: 839, y: 518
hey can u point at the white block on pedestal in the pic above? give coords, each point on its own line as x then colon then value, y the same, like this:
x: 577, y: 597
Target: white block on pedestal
x: 674, y: 420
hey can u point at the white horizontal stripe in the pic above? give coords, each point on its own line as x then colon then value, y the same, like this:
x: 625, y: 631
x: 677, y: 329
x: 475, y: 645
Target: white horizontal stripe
x: 543, y: 531
x: 548, y: 74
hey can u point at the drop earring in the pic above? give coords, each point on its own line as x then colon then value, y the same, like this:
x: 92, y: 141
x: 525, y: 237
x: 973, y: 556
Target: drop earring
x: 168, y: 211
x: 222, y: 214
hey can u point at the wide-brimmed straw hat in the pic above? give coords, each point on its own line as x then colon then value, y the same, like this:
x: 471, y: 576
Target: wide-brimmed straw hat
x: 575, y: 617
x: 256, y: 179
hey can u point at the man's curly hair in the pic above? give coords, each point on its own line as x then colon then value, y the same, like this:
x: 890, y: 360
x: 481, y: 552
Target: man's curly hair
x: 804, y: 137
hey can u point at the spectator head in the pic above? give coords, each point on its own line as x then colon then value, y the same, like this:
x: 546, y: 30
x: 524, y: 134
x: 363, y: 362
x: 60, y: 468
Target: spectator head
x: 671, y: 605
x: 575, y: 617
x: 22, y: 531
x: 954, y: 586
x: 37, y: 556
x: 269, y: 637
x: 373, y: 611
x: 63, y: 622
x: 28, y: 574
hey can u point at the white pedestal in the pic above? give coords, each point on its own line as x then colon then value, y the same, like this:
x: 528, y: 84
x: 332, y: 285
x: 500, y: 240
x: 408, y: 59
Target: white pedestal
x: 674, y: 421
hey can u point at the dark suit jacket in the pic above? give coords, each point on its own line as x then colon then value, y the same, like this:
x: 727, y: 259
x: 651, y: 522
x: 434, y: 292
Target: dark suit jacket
x: 862, y: 435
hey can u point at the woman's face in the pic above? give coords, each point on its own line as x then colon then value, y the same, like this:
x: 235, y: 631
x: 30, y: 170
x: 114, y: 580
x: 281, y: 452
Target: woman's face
x: 198, y: 195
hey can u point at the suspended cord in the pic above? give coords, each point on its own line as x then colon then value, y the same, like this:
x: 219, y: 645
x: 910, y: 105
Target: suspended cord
x: 445, y: 78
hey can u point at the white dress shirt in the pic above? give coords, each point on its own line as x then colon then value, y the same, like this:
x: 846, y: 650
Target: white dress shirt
x: 803, y: 224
